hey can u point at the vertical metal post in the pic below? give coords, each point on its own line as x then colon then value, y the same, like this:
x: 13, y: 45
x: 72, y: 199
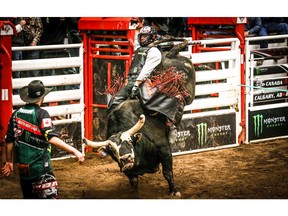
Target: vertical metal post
x: 239, y: 29
x: 7, y: 30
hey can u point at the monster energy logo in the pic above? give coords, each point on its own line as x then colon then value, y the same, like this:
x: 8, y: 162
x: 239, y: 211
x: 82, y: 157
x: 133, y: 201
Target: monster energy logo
x: 27, y: 136
x: 258, y: 125
x: 202, y: 133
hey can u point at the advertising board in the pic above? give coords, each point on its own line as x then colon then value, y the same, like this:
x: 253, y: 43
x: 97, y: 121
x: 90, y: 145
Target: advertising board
x: 206, y: 132
x: 267, y: 123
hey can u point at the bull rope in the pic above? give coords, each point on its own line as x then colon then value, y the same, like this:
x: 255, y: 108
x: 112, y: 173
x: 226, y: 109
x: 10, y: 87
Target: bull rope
x: 262, y: 88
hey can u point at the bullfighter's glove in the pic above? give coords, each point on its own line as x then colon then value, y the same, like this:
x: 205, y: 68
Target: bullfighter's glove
x: 134, y: 92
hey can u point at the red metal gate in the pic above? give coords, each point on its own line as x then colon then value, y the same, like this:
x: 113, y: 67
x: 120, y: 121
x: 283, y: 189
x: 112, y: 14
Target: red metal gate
x: 7, y: 29
x: 198, y: 25
x: 108, y: 48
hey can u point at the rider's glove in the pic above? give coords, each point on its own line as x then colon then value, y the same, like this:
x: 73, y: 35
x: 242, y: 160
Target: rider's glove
x: 134, y: 92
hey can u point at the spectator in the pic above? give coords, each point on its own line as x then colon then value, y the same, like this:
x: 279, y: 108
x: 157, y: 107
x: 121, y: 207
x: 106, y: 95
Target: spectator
x: 187, y: 32
x: 32, y: 33
x: 172, y: 26
x: 253, y: 28
x: 29, y: 136
x: 73, y: 34
x: 160, y: 24
x: 17, y: 41
x: 60, y: 30
x: 272, y: 25
x: 177, y: 27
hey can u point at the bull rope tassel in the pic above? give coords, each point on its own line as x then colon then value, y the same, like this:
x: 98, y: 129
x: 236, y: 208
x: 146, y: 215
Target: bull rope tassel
x: 171, y: 83
x: 117, y: 84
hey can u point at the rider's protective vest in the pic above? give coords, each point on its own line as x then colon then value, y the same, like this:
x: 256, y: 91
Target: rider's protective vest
x: 31, y: 147
x: 137, y: 64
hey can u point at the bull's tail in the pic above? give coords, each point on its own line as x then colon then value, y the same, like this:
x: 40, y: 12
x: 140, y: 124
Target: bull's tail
x: 177, y: 48
x: 168, y: 39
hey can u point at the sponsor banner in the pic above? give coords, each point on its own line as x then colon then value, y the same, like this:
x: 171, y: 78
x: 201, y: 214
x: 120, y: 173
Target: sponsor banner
x: 267, y: 123
x: 271, y: 96
x: 205, y: 132
x: 70, y: 134
x: 272, y: 69
x: 268, y: 83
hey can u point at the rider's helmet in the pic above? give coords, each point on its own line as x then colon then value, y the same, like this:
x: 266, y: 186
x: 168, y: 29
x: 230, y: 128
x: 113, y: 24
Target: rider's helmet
x: 46, y: 187
x: 146, y: 35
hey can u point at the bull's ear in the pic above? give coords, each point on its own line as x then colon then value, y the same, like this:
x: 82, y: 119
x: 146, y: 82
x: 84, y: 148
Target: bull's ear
x: 137, y: 137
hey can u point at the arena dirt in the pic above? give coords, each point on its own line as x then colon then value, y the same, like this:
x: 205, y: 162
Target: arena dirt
x: 254, y: 171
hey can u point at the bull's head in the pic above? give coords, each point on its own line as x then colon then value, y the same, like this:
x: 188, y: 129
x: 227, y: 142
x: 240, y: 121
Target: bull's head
x: 121, y: 145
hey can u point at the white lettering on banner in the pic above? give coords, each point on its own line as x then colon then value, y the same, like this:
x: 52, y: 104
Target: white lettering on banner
x: 278, y: 95
x: 183, y: 135
x: 274, y: 120
x: 273, y: 83
x: 219, y: 128
x: 264, y: 97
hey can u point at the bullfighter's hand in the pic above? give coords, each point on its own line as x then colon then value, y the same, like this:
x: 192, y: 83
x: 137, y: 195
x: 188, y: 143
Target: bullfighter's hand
x: 7, y: 169
x: 81, y: 158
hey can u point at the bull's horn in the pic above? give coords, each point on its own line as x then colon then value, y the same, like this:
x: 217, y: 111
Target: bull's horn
x: 96, y: 144
x: 137, y: 126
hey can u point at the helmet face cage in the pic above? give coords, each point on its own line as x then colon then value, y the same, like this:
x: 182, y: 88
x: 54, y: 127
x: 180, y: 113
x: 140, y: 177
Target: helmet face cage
x: 46, y: 187
x: 146, y: 36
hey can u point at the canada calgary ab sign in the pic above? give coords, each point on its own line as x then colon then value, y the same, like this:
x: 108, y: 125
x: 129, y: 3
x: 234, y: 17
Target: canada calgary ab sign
x: 268, y: 123
x: 270, y: 84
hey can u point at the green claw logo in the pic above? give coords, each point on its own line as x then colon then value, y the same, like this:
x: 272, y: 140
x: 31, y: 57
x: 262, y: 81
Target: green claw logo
x: 202, y: 133
x: 258, y: 125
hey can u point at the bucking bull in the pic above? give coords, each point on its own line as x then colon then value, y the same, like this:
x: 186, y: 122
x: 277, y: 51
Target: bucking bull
x: 141, y: 147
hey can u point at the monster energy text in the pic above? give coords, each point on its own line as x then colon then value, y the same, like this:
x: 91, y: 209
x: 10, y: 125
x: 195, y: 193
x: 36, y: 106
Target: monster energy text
x: 269, y: 122
x: 216, y: 131
x: 219, y: 128
x: 183, y: 135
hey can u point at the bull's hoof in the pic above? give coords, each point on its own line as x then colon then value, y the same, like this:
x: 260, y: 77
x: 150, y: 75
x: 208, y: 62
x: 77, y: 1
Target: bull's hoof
x: 176, y: 194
